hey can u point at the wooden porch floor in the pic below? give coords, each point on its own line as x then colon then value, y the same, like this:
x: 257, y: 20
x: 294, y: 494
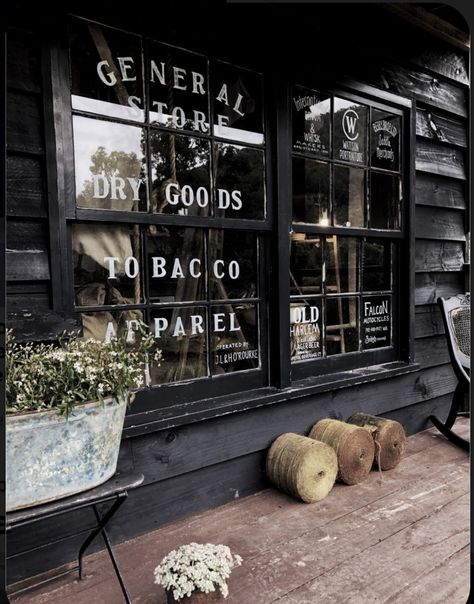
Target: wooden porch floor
x: 404, y: 540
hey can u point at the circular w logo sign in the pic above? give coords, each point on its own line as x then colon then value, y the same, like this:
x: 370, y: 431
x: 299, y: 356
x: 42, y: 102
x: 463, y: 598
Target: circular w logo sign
x: 349, y: 124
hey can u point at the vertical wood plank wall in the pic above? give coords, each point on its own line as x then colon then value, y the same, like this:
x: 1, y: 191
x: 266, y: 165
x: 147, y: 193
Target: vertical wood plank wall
x: 211, y: 462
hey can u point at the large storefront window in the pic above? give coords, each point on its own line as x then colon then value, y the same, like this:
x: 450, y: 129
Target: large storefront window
x: 144, y: 146
x: 176, y: 211
x: 347, y: 202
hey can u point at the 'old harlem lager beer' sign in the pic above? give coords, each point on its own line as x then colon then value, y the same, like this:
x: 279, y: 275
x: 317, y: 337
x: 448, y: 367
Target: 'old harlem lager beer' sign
x: 305, y: 332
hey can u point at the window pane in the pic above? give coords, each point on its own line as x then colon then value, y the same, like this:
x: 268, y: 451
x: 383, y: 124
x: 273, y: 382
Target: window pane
x: 179, y: 90
x: 232, y: 264
x: 342, y: 264
x: 350, y: 131
x: 107, y: 264
x: 234, y: 330
x: 376, y: 322
x: 181, y: 174
x: 341, y: 325
x: 310, y: 191
x: 240, y: 188
x: 376, y: 265
x: 176, y: 264
x: 237, y: 99
x: 306, y: 263
x: 385, y: 140
x: 305, y: 330
x: 110, y: 167
x: 106, y: 69
x: 180, y: 333
x: 349, y: 196
x: 311, y: 116
x: 384, y: 201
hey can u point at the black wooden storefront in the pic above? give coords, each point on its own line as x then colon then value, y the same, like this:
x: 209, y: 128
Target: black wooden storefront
x: 198, y: 452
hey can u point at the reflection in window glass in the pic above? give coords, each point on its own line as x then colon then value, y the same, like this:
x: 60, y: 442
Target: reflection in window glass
x: 105, y: 325
x: 109, y: 164
x: 350, y: 131
x: 237, y: 99
x: 106, y: 70
x: 376, y: 322
x: 310, y: 191
x: 342, y: 333
x: 342, y: 264
x: 239, y: 185
x: 305, y: 330
x: 107, y: 264
x: 349, y: 196
x: 384, y: 201
x: 180, y: 333
x: 234, y: 332
x: 376, y: 265
x: 181, y: 174
x: 232, y: 264
x: 311, y: 117
x: 305, y: 264
x: 385, y: 140
x: 178, y: 88
x: 176, y: 264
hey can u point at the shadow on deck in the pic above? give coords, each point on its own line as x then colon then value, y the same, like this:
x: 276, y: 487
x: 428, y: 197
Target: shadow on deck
x: 402, y: 540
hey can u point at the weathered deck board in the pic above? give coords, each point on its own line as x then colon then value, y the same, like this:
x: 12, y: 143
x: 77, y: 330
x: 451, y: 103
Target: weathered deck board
x: 410, y: 528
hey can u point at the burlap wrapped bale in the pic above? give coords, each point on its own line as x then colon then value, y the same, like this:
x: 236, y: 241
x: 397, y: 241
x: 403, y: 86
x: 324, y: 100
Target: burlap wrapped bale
x: 389, y: 438
x: 354, y: 448
x: 302, y: 467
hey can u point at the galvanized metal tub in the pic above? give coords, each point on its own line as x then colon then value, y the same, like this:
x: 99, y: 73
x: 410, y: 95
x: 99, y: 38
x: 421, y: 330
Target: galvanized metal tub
x: 49, y: 456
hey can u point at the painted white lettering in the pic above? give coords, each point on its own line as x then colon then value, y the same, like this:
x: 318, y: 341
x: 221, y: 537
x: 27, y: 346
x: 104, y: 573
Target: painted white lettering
x: 132, y: 326
x: 196, y: 324
x: 236, y: 200
x: 223, y: 199
x: 159, y: 266
x: 131, y: 267
x: 178, y: 117
x: 234, y: 269
x: 192, y: 271
x: 202, y: 197
x: 155, y: 71
x: 179, y: 328
x: 161, y: 324
x: 198, y: 83
x: 117, y: 185
x: 111, y: 260
x: 218, y: 275
x: 135, y: 185
x: 109, y: 78
x: 238, y: 103
x: 187, y: 195
x: 233, y: 326
x: 177, y: 270
x: 222, y: 121
x: 179, y: 74
x: 96, y: 180
x: 219, y: 321
x: 223, y: 96
x: 174, y: 198
x: 110, y: 332
x: 126, y: 63
x: 200, y: 121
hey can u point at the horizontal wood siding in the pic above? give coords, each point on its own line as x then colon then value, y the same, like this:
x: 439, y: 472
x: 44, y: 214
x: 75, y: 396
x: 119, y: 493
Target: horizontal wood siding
x: 28, y: 247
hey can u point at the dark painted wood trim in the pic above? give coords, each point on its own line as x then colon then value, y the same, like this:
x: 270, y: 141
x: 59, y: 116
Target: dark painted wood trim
x: 419, y: 17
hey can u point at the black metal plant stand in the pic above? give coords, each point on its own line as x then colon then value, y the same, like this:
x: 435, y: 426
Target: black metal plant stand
x: 114, y: 490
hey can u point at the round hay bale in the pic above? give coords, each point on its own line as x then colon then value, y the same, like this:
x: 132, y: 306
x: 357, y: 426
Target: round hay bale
x: 302, y: 467
x: 389, y: 438
x: 354, y: 448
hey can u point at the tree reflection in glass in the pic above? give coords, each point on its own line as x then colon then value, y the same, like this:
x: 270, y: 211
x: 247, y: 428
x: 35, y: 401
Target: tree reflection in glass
x: 181, y: 174
x: 110, y: 167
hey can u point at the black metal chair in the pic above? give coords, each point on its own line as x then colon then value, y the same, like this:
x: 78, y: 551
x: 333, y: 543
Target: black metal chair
x: 456, y: 312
